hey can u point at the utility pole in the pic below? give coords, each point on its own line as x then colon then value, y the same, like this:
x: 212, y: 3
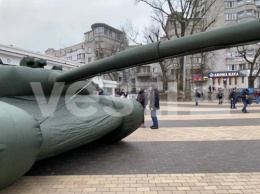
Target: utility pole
x: 184, y: 77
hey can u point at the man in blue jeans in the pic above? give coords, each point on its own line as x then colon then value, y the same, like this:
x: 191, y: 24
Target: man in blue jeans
x: 154, y: 105
x: 233, y: 98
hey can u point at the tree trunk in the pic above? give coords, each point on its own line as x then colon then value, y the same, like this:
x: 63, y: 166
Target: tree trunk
x: 164, y: 76
x: 251, y: 80
x: 180, y: 77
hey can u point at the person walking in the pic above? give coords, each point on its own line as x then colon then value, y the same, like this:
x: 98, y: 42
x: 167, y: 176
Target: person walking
x: 258, y: 99
x: 154, y: 105
x: 210, y: 88
x: 245, y: 97
x: 232, y: 97
x: 256, y: 96
x: 141, y: 98
x: 220, y: 96
x: 196, y: 97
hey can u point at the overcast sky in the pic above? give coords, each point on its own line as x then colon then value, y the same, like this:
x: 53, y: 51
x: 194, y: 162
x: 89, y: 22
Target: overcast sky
x: 37, y: 25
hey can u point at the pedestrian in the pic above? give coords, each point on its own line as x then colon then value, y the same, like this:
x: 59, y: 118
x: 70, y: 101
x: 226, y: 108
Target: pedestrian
x: 232, y: 97
x: 154, y: 105
x: 258, y: 99
x: 123, y: 94
x: 210, y: 88
x: 213, y: 88
x: 141, y: 98
x: 100, y: 91
x: 196, y: 97
x: 245, y: 97
x: 220, y: 96
x: 256, y: 96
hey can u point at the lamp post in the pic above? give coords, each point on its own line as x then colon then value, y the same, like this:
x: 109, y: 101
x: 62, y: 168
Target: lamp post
x: 184, y: 77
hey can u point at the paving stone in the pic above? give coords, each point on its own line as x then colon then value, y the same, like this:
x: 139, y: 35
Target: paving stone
x: 207, y: 150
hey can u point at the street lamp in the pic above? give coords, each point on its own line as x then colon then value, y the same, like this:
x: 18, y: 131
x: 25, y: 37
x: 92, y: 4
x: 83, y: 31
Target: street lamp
x: 184, y: 76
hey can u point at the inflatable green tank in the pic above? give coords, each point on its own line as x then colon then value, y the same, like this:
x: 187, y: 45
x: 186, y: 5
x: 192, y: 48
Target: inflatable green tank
x: 46, y: 112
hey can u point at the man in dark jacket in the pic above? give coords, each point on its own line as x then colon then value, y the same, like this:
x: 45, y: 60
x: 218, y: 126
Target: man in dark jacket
x: 232, y: 97
x: 154, y: 105
x: 245, y: 96
x: 142, y: 99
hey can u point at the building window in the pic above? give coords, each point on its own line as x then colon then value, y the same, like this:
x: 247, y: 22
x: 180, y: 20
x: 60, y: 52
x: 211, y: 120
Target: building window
x: 154, y: 79
x: 83, y: 56
x: 218, y: 81
x: 230, y: 4
x: 106, y: 31
x: 257, y: 2
x: 197, y: 60
x: 101, y: 30
x: 235, y: 80
x: 230, y: 80
x: 249, y: 12
x: 242, y: 66
x: 113, y: 34
x: 89, y: 36
x: 243, y: 80
x: 89, y: 50
x: 240, y: 2
x: 232, y: 67
x: 250, y: 53
x: 231, y: 54
x: 172, y: 71
x: 155, y: 70
x: 231, y: 16
x: 78, y: 56
x: 89, y: 59
x: 240, y: 14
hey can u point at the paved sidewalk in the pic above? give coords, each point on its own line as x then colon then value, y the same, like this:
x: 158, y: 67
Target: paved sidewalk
x: 209, y: 149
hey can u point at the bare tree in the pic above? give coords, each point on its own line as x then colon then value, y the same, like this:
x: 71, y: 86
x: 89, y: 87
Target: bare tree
x: 108, y: 49
x: 131, y: 32
x: 178, y: 18
x: 253, y: 61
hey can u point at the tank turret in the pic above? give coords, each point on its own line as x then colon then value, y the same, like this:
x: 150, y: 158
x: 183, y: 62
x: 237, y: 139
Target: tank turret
x: 33, y: 62
x: 46, y: 112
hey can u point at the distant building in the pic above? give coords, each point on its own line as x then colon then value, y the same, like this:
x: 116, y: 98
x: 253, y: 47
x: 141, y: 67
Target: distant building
x: 220, y: 67
x: 100, y: 42
x: 11, y: 55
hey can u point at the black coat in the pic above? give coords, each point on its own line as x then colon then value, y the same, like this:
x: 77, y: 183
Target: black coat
x: 232, y: 95
x: 141, y: 98
x: 154, y: 99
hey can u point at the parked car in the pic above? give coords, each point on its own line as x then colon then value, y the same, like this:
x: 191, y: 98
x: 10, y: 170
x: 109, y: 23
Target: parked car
x: 239, y: 93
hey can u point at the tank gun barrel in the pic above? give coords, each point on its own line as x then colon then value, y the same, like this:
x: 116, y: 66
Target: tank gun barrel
x: 227, y: 37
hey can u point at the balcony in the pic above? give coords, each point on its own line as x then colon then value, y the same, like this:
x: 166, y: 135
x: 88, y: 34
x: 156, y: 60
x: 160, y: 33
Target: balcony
x: 144, y: 74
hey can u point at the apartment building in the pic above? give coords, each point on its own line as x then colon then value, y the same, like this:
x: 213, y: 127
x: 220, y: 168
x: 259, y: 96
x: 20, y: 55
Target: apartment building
x: 236, y: 12
x: 224, y: 68
x: 100, y: 42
